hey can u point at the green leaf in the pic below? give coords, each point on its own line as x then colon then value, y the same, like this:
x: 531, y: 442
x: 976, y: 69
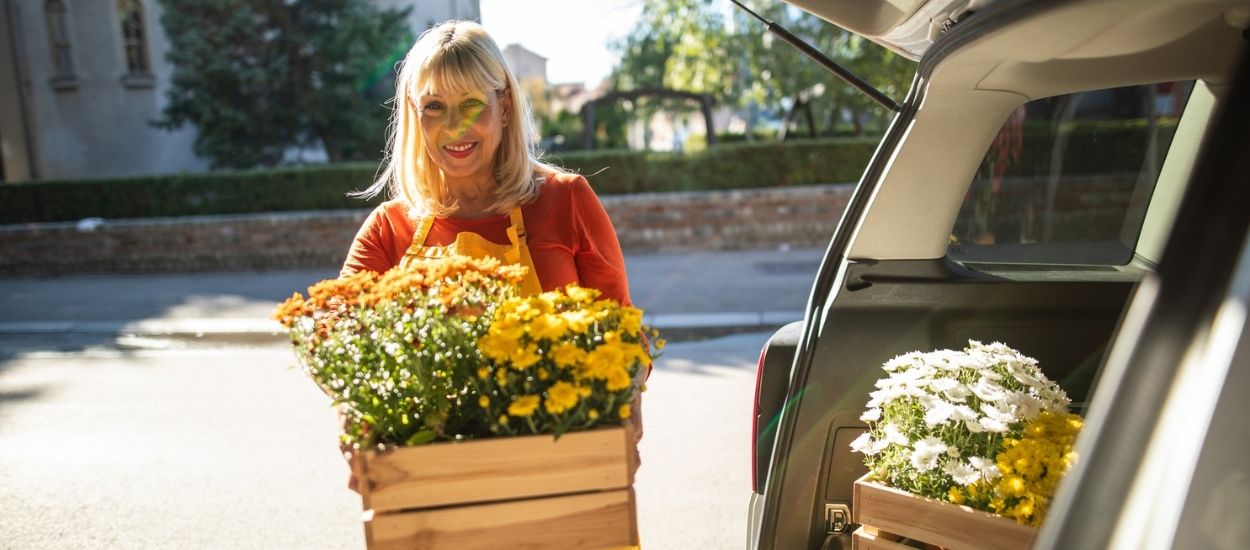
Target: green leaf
x: 421, y: 438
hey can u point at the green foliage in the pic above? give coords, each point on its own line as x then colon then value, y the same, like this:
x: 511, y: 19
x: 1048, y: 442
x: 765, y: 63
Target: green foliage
x: 733, y: 166
x: 688, y: 45
x: 446, y: 349
x: 326, y: 187
x: 273, y: 190
x: 267, y: 76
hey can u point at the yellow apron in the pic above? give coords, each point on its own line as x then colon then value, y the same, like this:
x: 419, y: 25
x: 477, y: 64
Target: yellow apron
x: 472, y: 244
x: 476, y: 246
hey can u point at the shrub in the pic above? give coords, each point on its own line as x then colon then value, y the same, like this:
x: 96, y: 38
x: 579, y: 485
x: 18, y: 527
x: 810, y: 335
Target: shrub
x: 730, y: 166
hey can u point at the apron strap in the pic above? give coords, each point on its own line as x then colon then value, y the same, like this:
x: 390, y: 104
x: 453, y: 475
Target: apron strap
x: 516, y: 234
x: 518, y: 223
x: 423, y: 230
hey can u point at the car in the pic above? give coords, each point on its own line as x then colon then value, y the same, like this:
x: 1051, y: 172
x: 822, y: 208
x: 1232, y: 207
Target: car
x: 1068, y: 177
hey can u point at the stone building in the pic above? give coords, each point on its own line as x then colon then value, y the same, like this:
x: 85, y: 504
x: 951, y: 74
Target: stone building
x: 81, y: 79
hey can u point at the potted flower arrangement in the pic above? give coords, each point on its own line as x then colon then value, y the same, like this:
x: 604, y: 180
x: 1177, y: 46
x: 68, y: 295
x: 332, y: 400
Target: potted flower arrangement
x: 480, y: 417
x: 964, y: 449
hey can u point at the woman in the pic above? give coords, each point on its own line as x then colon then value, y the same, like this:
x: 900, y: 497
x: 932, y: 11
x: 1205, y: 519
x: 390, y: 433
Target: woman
x: 464, y: 178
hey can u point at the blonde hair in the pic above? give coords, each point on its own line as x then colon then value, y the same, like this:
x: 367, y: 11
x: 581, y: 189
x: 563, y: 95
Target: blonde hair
x: 460, y: 56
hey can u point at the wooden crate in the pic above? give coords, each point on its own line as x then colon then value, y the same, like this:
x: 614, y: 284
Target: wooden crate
x: 887, y: 515
x: 529, y: 492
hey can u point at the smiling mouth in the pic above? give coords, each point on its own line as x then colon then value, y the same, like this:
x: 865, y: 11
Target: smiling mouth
x: 460, y: 150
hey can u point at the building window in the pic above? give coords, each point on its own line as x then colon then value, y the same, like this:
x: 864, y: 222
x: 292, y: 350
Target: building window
x: 134, y: 44
x: 58, y: 39
x: 134, y: 39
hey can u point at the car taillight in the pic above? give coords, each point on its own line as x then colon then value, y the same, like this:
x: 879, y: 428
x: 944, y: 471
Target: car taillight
x: 755, y: 421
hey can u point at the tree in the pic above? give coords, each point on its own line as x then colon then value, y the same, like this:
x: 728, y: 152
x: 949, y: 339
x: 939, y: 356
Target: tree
x: 258, y: 77
x: 689, y: 45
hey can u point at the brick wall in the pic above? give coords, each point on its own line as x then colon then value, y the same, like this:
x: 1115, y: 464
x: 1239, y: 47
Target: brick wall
x: 719, y: 220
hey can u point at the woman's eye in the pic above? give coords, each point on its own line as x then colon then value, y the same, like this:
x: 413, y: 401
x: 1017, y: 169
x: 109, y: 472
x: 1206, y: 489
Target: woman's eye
x: 433, y: 106
x: 472, y: 106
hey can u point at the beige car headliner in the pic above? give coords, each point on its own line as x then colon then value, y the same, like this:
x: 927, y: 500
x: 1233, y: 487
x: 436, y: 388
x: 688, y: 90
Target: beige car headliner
x: 1080, y: 46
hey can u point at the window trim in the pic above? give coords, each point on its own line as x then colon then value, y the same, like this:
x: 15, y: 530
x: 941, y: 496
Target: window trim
x: 60, y: 45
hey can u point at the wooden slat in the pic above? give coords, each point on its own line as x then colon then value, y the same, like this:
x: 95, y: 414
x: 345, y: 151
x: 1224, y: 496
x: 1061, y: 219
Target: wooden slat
x: 586, y: 521
x: 936, y: 522
x: 497, y: 469
x: 867, y: 538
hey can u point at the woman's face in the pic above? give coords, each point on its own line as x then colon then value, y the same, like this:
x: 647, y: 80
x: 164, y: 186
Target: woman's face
x: 462, y: 130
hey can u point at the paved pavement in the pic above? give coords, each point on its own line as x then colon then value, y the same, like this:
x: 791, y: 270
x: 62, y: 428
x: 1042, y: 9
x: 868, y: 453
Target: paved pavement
x: 226, y: 447
x: 681, y: 293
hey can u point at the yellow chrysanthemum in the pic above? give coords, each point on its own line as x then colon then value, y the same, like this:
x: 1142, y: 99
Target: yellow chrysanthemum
x: 577, y: 320
x: 618, y: 379
x: 631, y: 320
x: 526, y: 357
x: 524, y: 405
x: 483, y: 401
x: 548, y: 327
x: 483, y: 373
x: 955, y: 495
x: 592, y: 414
x: 567, y: 355
x: 582, y: 295
x: 496, y: 346
x: 602, y: 360
x: 624, y: 411
x: 561, y: 397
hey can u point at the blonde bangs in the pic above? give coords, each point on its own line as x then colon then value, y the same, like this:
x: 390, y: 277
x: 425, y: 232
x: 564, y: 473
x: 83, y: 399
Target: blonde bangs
x: 459, y: 57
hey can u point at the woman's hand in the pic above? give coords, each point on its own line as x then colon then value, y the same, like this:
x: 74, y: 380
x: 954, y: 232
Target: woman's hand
x: 353, y: 465
x: 350, y: 455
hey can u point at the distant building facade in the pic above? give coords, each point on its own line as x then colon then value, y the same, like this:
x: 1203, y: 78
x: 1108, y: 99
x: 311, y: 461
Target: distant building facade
x: 80, y: 80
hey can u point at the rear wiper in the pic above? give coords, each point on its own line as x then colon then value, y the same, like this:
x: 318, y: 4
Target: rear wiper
x: 841, y: 72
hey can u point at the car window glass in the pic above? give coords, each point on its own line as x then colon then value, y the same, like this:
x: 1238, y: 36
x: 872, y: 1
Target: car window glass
x: 1068, y: 178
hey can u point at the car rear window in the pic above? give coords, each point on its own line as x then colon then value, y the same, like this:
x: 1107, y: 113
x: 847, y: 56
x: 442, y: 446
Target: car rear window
x: 1068, y: 178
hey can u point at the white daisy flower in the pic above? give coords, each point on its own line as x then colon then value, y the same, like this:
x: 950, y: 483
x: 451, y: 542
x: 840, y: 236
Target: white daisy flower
x: 943, y: 384
x: 962, y: 472
x: 1001, y: 415
x: 926, y: 452
x: 964, y: 413
x: 871, y: 415
x: 992, y: 425
x: 1026, y: 406
x: 985, y: 467
x: 861, y: 442
x: 958, y: 394
x: 891, y: 434
x: 987, y: 390
x: 938, y: 413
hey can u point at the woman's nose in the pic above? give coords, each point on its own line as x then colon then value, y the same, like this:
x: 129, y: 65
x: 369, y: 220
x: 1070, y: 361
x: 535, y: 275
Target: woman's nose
x: 457, y: 123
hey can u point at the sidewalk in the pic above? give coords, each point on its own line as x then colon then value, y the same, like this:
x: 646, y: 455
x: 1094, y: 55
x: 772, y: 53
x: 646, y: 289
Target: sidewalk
x: 680, y: 292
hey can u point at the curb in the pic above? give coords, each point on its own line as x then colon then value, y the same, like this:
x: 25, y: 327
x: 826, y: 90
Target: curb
x: 252, y: 329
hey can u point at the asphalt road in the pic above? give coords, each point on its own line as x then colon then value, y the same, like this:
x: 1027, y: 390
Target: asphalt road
x: 232, y: 448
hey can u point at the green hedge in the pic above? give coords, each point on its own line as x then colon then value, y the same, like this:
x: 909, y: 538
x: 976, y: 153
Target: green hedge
x: 730, y: 166
x: 319, y: 188
x: 1098, y: 147
x: 325, y: 187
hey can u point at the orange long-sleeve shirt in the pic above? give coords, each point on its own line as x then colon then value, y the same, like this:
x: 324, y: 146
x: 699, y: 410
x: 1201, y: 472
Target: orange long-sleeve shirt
x: 570, y: 237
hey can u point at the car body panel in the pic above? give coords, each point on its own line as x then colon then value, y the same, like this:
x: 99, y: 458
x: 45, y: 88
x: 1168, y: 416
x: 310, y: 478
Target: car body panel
x: 886, y: 286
